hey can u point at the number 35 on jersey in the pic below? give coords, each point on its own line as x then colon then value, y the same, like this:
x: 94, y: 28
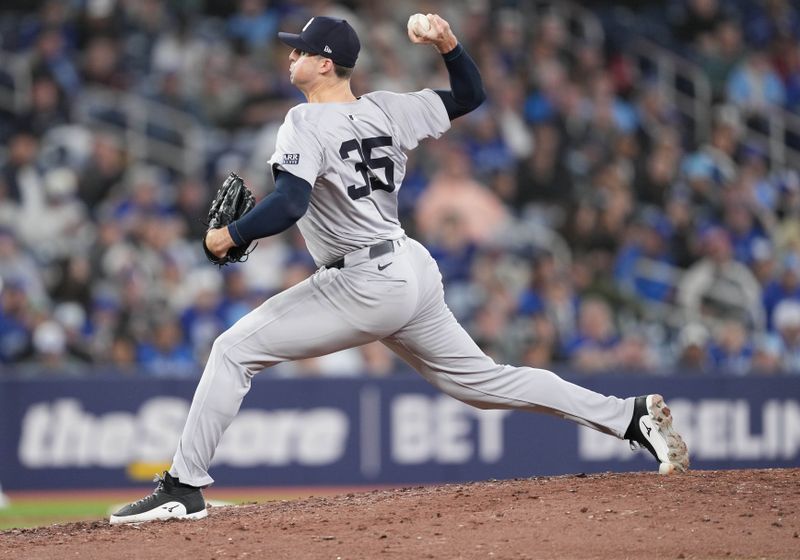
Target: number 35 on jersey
x: 361, y: 154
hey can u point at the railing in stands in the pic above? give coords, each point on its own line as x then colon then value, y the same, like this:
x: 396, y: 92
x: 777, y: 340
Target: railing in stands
x: 682, y: 82
x: 152, y: 131
x: 16, y: 83
x: 776, y: 132
x: 780, y: 140
x: 581, y: 23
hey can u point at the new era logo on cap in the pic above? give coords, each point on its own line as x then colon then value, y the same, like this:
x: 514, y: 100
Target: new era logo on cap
x: 326, y: 36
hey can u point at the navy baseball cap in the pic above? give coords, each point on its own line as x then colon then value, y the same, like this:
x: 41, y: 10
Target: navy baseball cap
x: 326, y: 36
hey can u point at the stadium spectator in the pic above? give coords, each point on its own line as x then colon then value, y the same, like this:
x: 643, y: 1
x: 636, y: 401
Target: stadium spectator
x: 786, y: 286
x: 71, y: 317
x: 49, y: 347
x: 718, y: 287
x: 644, y: 267
x: 254, y: 24
x: 768, y: 20
x: 543, y: 178
x: 48, y: 107
x: 745, y: 231
x: 767, y: 355
x: 594, y: 346
x: 237, y: 299
x: 104, y: 328
x: 487, y: 148
x: 764, y: 265
x: 19, y: 168
x: 543, y: 347
x: 103, y: 64
x: 122, y: 355
x: 52, y: 57
x: 51, y: 220
x: 720, y: 54
x: 731, y: 353
x: 73, y: 281
x: 378, y: 360
x: 454, y: 191
x: 452, y: 247
x: 693, y: 355
x: 658, y: 170
x: 787, y: 211
x: 165, y: 354
x: 16, y: 320
x: 754, y: 86
x: 712, y: 167
x: 202, y: 321
x: 191, y: 204
x: 102, y: 172
x: 694, y: 21
x: 550, y: 296
x: 18, y: 267
x: 787, y: 325
x: 788, y: 65
x: 678, y: 214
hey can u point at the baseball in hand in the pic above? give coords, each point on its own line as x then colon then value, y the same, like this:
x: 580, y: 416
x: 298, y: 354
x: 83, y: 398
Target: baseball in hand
x: 419, y: 25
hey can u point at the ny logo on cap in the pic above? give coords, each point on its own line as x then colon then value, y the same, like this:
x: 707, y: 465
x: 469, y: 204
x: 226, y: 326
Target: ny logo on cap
x: 307, y: 24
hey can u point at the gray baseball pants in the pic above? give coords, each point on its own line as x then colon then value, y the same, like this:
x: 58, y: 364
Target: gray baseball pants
x: 403, y: 306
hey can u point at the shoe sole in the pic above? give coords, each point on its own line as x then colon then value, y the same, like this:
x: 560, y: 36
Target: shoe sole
x: 678, y: 452
x: 142, y: 518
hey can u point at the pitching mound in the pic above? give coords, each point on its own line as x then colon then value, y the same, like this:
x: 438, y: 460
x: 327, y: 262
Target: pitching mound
x: 703, y: 514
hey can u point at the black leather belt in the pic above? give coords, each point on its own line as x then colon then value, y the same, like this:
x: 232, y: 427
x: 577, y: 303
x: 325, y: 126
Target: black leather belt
x: 374, y: 251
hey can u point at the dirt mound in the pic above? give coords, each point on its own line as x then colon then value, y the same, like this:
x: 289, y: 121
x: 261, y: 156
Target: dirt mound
x: 703, y: 514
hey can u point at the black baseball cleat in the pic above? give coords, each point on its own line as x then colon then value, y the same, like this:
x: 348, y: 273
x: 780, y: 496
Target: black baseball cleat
x: 651, y: 427
x: 170, y: 500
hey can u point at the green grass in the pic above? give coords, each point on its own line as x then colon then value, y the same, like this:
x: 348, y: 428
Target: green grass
x: 43, y: 510
x: 39, y: 511
x: 36, y: 513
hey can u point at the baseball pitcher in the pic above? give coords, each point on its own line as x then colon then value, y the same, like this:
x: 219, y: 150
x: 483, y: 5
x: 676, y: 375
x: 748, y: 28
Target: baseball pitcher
x: 338, y: 165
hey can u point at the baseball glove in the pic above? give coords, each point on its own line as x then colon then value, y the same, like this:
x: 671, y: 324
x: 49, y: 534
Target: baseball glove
x: 233, y: 201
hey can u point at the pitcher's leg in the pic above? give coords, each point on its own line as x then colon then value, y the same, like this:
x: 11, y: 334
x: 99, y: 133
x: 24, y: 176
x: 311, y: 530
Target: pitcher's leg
x: 295, y: 324
x: 442, y: 351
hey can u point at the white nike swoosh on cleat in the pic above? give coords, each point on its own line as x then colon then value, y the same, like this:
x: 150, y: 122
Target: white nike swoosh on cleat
x: 170, y: 510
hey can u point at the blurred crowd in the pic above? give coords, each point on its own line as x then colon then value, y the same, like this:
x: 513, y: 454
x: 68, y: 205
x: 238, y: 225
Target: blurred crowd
x: 578, y: 224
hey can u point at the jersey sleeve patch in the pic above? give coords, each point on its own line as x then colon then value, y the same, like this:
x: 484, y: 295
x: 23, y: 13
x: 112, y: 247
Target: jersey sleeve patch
x: 290, y: 159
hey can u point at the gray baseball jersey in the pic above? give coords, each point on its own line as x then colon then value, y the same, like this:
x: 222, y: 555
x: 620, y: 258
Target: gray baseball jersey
x: 353, y: 155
